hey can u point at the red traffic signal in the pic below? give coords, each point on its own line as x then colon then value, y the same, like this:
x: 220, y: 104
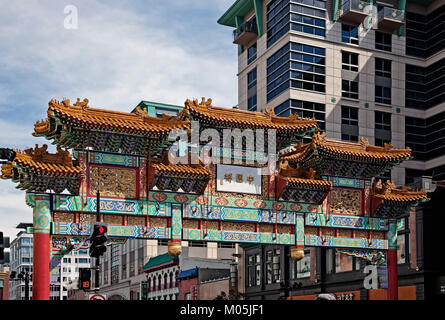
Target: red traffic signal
x: 101, y: 230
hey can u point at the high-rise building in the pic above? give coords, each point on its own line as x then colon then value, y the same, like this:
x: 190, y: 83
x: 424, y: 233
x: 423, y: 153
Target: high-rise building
x: 376, y: 75
x: 361, y: 68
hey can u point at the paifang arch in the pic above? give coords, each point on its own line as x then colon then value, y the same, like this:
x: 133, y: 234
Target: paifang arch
x: 322, y: 193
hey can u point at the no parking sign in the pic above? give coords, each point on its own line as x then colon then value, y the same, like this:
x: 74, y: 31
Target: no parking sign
x: 98, y: 297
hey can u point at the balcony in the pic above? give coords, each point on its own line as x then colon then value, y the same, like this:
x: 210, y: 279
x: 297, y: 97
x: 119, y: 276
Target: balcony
x: 390, y: 19
x: 354, y: 11
x: 245, y: 33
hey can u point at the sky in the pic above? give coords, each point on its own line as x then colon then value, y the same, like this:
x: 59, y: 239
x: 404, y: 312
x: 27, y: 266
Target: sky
x: 122, y: 52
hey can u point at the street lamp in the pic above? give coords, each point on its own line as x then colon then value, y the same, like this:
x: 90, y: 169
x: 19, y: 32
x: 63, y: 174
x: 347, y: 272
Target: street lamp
x: 26, y: 276
x: 234, y: 272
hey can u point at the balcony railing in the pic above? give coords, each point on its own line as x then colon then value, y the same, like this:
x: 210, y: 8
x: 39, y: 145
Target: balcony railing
x: 355, y: 11
x: 246, y: 32
x: 390, y: 19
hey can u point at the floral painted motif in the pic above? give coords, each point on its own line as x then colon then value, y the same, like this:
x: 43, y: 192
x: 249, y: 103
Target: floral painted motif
x: 296, y: 207
x: 181, y: 198
x: 159, y: 196
x: 260, y: 204
x: 221, y: 201
x: 313, y: 209
x: 201, y: 200
x: 278, y: 206
x: 240, y: 203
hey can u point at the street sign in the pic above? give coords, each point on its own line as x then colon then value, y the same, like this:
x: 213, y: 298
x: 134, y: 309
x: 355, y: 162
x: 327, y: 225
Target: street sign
x: 97, y: 297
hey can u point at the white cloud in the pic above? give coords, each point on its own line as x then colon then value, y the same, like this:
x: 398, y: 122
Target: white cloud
x: 115, y: 58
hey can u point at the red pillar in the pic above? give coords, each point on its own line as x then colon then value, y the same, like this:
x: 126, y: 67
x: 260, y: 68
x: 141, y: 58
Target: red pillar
x: 41, y: 257
x: 393, y: 287
x: 41, y: 247
x: 391, y: 259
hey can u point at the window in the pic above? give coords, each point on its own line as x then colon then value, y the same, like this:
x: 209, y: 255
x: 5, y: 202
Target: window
x: 349, y: 121
x: 252, y: 103
x: 349, y: 61
x: 383, y: 41
x: 349, y: 116
x: 383, y: 67
x: 383, y: 120
x: 303, y: 65
x: 253, y: 270
x: 282, y: 16
x: 349, y: 89
x: 349, y: 34
x: 383, y: 95
x: 251, y: 53
x: 251, y: 79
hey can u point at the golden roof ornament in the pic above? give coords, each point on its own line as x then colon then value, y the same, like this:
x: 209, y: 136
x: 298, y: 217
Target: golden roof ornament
x: 83, y: 105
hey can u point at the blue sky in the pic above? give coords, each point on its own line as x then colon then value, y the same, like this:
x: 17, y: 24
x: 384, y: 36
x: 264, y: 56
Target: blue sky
x: 121, y: 53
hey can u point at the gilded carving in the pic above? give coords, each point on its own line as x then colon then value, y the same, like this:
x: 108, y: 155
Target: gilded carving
x: 242, y: 227
x: 378, y: 235
x: 64, y: 217
x: 311, y: 231
x: 136, y: 221
x: 87, y: 218
x: 328, y: 232
x: 190, y: 224
x: 283, y: 228
x: 345, y: 201
x: 113, y: 182
x: 158, y: 222
x: 266, y: 228
x: 113, y: 219
x: 344, y: 233
x: 361, y: 234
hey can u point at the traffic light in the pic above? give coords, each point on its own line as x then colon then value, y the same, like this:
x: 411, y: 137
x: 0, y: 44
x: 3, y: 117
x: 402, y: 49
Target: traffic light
x: 98, y: 240
x: 84, y: 278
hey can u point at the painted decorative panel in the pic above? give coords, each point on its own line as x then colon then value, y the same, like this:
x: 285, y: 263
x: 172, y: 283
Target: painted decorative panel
x: 76, y: 229
x: 113, y: 159
x: 348, y: 182
x: 352, y: 222
x: 233, y: 236
x: 325, y: 241
x: 113, y: 182
x: 345, y: 201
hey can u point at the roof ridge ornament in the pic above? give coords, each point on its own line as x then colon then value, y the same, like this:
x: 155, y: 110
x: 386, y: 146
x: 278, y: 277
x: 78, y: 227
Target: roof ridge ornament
x: 269, y: 112
x: 141, y: 113
x: 83, y: 105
